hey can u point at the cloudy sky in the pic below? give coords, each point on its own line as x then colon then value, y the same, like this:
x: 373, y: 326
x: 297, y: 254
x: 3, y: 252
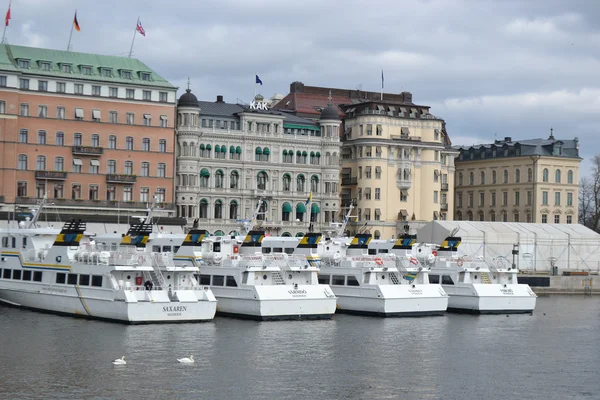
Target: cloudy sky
x: 490, y: 68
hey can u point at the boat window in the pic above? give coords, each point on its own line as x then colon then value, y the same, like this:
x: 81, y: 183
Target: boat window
x: 324, y: 279
x: 351, y: 281
x: 6, y: 273
x: 230, y: 281
x: 205, y: 279
x: 277, y: 249
x: 218, y: 280
x: 4, y: 241
x: 156, y: 249
x: 166, y: 249
x: 24, y: 242
x: 1, y: 271
x: 14, y: 242
x: 266, y: 250
x: 245, y: 278
x: 338, y: 280
x: 176, y: 249
x: 72, y: 279
x: 289, y: 251
x: 447, y: 280
x: 61, y: 278
x: 434, y: 279
x: 217, y: 247
x: 461, y: 276
x: 37, y: 276
x: 97, y: 280
x: 26, y: 275
x: 17, y: 274
x: 367, y: 277
x: 84, y: 280
x: 383, y: 250
x: 372, y: 252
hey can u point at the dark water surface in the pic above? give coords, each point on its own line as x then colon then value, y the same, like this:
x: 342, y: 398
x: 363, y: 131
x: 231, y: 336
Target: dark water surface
x: 554, y: 354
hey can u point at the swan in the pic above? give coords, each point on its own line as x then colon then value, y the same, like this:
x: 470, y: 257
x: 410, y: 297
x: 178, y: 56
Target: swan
x: 186, y: 360
x: 120, y: 361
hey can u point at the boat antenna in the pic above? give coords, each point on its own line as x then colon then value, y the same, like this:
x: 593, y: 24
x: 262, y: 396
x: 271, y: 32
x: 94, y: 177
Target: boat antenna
x: 342, y: 227
x: 150, y: 211
x: 32, y: 223
x: 249, y: 225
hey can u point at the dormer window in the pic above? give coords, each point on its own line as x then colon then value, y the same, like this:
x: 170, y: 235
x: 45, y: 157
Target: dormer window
x: 45, y: 65
x: 23, y: 64
x: 86, y: 70
x: 145, y: 76
x: 106, y: 72
x: 66, y: 68
x: 126, y: 74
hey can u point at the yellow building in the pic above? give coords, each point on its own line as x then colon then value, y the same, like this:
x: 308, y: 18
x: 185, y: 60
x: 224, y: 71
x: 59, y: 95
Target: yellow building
x: 533, y: 180
x: 397, y: 165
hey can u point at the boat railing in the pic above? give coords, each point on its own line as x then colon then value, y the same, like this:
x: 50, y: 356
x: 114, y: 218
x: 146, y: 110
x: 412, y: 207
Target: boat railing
x: 297, y: 261
x: 163, y: 259
x: 251, y: 261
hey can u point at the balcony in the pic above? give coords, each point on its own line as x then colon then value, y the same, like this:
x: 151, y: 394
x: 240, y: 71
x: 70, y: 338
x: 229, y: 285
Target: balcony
x: 87, y: 150
x: 444, y: 207
x: 444, y: 187
x: 348, y: 181
x: 51, y: 175
x: 403, y: 184
x: 118, y: 178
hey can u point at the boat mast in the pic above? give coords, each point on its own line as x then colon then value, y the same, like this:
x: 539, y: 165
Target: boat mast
x: 342, y: 227
x: 249, y: 225
x: 148, y: 219
x: 32, y: 223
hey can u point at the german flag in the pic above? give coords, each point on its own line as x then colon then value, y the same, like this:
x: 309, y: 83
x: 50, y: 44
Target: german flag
x: 76, y: 23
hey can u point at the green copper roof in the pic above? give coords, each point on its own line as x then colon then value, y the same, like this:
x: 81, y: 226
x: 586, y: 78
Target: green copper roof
x: 9, y: 56
x: 298, y: 126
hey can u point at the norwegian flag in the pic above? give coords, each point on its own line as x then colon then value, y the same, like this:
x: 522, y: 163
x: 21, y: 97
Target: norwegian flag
x: 140, y: 28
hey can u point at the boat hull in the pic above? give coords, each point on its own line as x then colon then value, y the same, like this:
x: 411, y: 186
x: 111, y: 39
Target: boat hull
x: 277, y: 302
x: 392, y: 300
x: 76, y: 303
x: 491, y: 298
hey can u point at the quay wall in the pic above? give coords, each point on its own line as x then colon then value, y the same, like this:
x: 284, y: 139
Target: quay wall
x: 543, y: 285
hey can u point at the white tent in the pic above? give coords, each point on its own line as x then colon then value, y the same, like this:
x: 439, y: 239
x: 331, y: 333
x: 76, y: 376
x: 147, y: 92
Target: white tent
x: 567, y: 246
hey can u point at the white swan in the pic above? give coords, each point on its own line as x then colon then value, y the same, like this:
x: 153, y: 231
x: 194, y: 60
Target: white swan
x: 120, y: 361
x: 186, y: 360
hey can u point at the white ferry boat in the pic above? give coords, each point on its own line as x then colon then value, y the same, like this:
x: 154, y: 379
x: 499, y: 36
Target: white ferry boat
x: 379, y: 285
x: 65, y: 272
x: 250, y: 284
x: 474, y: 285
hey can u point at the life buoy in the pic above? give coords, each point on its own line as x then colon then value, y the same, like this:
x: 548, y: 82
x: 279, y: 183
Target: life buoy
x: 236, y: 249
x: 460, y: 262
x: 378, y: 261
x: 414, y: 261
x: 434, y: 253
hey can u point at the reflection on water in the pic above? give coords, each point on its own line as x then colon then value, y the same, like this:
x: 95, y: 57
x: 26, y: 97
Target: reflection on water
x: 552, y: 354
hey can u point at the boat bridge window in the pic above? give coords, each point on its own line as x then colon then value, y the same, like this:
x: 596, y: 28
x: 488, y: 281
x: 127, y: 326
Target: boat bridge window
x: 37, y: 276
x: 447, y: 280
x: 14, y: 242
x: 84, y: 280
x: 289, y: 251
x: 367, y: 277
x: 1, y: 271
x: 61, y: 278
x: 245, y: 278
x: 176, y: 249
x: 6, y: 273
x: 383, y: 251
x: 434, y: 279
x: 166, y: 249
x: 277, y: 249
x: 97, y: 280
x: 72, y: 279
x: 217, y: 247
x: 4, y: 241
x: 266, y: 250
x: 230, y: 281
x: 338, y: 280
x: 461, y: 276
x: 17, y: 274
x: 324, y: 279
x: 218, y: 280
x: 24, y: 242
x: 205, y: 279
x: 372, y: 252
x: 156, y: 249
x: 351, y: 281
x: 26, y: 275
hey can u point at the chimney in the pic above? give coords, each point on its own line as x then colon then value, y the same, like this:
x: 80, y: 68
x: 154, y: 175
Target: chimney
x: 406, y: 97
x: 297, y: 87
x: 219, y: 99
x: 507, y: 139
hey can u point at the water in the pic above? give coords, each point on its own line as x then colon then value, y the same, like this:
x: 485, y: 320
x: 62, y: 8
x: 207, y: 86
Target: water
x: 553, y: 354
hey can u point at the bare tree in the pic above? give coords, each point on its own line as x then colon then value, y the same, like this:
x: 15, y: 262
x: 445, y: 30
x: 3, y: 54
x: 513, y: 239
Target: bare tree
x: 585, y: 202
x: 589, y: 197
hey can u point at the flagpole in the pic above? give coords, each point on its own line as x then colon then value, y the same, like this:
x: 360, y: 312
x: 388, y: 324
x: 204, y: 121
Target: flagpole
x: 6, y: 23
x: 71, y: 34
x: 255, y: 75
x: 133, y: 40
x: 382, y: 85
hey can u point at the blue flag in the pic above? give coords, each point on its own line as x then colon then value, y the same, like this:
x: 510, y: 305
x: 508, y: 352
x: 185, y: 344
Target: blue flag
x: 258, y: 80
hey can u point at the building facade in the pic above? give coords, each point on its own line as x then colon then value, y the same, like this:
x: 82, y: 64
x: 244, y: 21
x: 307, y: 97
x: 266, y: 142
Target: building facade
x: 229, y: 156
x: 533, y: 180
x: 93, y: 133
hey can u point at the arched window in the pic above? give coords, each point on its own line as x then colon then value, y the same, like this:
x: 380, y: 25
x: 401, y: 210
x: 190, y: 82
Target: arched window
x: 233, y: 209
x: 505, y: 176
x: 286, y: 211
x: 184, y: 149
x: 482, y: 177
x: 129, y: 143
x: 193, y: 149
x: 314, y: 184
x: 570, y: 176
x: 261, y: 180
x: 300, y: 211
x: 218, y: 209
x: 377, y: 235
x: 299, y: 234
x: 287, y: 182
x: 257, y: 154
x: 545, y: 175
x: 207, y: 151
x: 300, y: 180
x: 492, y: 216
x: 314, y: 212
x: 493, y: 176
x: 202, y: 151
x: 219, y: 233
x: 265, y: 154
x: 469, y: 215
x: 304, y: 157
x: 327, y: 159
x: 471, y: 178
x: 219, y: 179
x: 233, y: 180
x: 298, y: 157
x: 262, y: 210
x: 529, y: 175
x: 204, y: 178
x: 203, y: 208
x: 460, y: 178
x: 459, y: 215
x: 313, y: 158
x: 518, y: 176
x: 557, y: 176
x: 286, y: 234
